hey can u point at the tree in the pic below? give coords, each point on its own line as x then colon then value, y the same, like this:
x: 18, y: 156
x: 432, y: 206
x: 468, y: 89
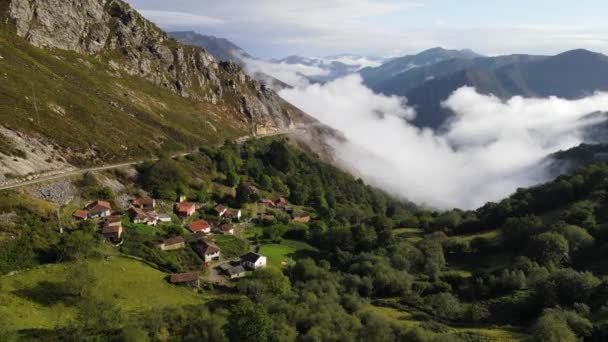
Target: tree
x: 275, y: 232
x: 265, y: 283
x: 550, y: 328
x: 279, y: 157
x: 77, y: 245
x: 81, y: 281
x: 164, y: 179
x: 517, y: 230
x: 17, y: 254
x: 246, y: 193
x: 248, y: 323
x: 581, y: 214
x: 578, y: 238
x: 566, y: 287
x: 549, y: 248
x: 232, y: 178
x: 97, y: 318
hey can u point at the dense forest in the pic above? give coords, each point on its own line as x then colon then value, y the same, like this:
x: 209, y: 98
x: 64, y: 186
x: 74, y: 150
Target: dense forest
x: 534, y: 261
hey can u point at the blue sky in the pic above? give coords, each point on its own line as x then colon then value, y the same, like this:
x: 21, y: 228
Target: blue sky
x: 276, y: 28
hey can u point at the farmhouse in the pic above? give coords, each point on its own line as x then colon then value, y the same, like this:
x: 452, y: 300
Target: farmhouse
x: 190, y: 279
x: 185, y: 209
x: 253, y: 261
x: 232, y: 271
x: 144, y: 203
x: 140, y: 216
x: 199, y: 226
x: 207, y: 250
x: 173, y: 244
x: 233, y: 215
x: 236, y: 272
x: 227, y: 229
x: 220, y: 210
x: 99, y: 209
x: 111, y: 228
x: 81, y: 215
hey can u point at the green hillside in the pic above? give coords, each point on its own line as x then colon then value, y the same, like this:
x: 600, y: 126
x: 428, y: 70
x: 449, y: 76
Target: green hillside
x: 33, y: 299
x: 83, y: 107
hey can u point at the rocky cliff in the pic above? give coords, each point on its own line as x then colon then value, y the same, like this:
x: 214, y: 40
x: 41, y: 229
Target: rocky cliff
x: 119, y: 35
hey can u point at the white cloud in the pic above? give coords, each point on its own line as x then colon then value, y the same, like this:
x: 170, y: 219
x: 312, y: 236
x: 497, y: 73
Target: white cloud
x: 292, y: 74
x: 169, y: 18
x: 359, y: 62
x: 490, y: 148
x: 367, y: 27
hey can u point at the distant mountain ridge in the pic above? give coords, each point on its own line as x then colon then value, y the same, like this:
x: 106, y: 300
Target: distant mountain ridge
x: 221, y: 48
x: 397, y: 66
x: 572, y: 74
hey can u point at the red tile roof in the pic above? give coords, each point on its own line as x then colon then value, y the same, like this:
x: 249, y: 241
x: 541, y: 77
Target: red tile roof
x: 198, y: 226
x: 104, y: 204
x: 112, y: 228
x: 185, y: 206
x: 81, y: 214
x: 139, y: 202
x: 113, y: 219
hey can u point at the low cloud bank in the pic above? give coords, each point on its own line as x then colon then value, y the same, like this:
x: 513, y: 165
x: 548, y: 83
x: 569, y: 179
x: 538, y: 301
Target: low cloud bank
x: 489, y: 149
x: 296, y: 75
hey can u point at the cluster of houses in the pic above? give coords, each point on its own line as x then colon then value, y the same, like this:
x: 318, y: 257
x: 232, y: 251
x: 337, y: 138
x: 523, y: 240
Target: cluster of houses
x: 233, y: 270
x: 110, y: 225
x: 143, y: 211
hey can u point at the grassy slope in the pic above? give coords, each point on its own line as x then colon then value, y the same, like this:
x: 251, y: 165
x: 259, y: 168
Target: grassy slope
x: 133, y: 286
x: 407, y: 320
x: 121, y: 117
x: 279, y: 253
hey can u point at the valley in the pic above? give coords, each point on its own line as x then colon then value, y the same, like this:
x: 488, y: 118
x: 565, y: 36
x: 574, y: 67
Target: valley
x: 160, y: 183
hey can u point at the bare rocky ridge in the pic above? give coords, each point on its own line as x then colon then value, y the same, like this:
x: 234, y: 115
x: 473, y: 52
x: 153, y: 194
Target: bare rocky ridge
x: 131, y: 44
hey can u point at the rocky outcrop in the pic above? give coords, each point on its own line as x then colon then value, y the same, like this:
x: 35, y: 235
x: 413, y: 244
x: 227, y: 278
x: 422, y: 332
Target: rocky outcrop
x: 130, y: 44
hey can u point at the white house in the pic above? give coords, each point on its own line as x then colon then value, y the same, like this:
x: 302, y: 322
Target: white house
x: 207, y: 250
x: 253, y: 261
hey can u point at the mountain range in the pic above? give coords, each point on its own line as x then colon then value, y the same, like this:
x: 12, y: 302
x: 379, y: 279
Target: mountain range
x: 572, y: 74
x: 389, y: 72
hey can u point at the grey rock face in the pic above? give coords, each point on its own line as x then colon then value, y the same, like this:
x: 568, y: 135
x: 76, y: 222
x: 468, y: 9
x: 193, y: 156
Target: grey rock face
x: 133, y: 45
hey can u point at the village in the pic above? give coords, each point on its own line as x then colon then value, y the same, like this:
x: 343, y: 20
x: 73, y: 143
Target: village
x: 202, y: 225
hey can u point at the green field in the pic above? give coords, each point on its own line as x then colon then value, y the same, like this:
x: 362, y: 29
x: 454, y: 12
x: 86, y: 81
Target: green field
x: 408, y: 234
x: 491, y: 234
x: 406, y: 319
x: 231, y: 246
x: 131, y: 285
x: 285, y: 252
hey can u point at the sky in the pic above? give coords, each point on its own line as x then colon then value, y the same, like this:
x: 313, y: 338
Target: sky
x: 388, y: 28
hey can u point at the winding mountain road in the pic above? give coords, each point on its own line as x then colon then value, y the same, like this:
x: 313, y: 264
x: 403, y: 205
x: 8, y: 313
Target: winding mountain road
x: 67, y: 174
